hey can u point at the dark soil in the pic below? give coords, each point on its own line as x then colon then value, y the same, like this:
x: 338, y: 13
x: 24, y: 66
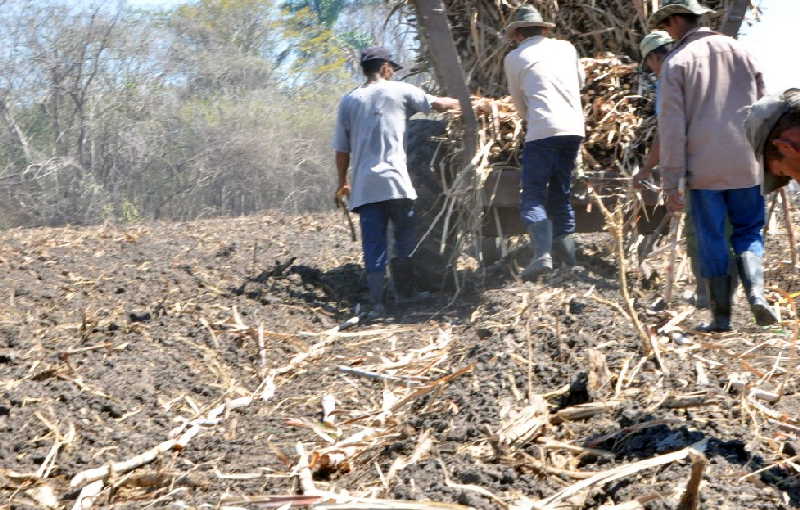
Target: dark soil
x: 114, y: 336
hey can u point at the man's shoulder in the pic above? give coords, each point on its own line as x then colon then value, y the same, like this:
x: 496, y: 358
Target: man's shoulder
x: 350, y: 95
x: 399, y: 88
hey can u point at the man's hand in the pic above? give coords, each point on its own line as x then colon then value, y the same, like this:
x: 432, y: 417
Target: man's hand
x: 343, y: 192
x: 446, y: 104
x: 674, y: 201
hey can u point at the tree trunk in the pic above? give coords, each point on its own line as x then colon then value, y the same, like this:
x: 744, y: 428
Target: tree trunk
x: 734, y: 16
x: 432, y: 19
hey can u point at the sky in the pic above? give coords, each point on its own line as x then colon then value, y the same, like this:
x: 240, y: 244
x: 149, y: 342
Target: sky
x: 155, y: 4
x: 772, y: 40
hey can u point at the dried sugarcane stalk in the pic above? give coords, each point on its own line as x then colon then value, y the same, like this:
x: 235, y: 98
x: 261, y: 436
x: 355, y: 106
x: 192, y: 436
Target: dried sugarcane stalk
x: 95, y: 474
x: 87, y: 495
x: 584, y: 411
x: 677, y: 232
x: 691, y: 496
x: 614, y: 223
x: 787, y: 217
x: 615, y: 474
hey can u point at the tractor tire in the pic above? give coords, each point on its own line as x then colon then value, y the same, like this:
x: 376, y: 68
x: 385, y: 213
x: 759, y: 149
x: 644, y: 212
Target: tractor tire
x: 432, y: 265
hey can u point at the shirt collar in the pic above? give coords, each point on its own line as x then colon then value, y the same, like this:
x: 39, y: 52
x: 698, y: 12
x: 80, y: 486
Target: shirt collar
x: 690, y: 35
x: 530, y: 41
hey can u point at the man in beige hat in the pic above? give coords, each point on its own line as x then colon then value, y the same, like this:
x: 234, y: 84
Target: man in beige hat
x: 706, y: 85
x: 654, y: 48
x: 544, y: 78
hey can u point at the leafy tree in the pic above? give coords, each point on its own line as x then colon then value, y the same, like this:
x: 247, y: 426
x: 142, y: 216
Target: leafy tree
x: 224, y: 44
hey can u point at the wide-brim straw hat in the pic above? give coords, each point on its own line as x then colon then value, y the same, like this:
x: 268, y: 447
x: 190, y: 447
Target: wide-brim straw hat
x: 527, y: 16
x: 671, y: 7
x: 762, y: 117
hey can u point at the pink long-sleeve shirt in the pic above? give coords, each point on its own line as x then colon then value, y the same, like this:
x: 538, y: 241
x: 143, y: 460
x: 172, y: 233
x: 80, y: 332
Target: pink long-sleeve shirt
x: 706, y: 85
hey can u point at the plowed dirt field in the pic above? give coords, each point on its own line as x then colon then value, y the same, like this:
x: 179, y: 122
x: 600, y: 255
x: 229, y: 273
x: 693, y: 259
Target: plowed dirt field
x: 201, y: 365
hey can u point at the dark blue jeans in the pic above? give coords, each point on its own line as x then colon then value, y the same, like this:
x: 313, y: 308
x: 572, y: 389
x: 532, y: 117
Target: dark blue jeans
x: 547, y: 166
x: 374, y: 219
x: 744, y: 208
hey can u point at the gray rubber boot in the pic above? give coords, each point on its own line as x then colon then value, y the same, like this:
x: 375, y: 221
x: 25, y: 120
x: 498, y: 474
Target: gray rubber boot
x: 702, y: 299
x: 564, y: 249
x: 721, y: 294
x: 751, y: 272
x: 541, y: 233
x: 375, y: 285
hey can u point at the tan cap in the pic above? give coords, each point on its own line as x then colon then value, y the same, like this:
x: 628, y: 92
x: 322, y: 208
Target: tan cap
x: 653, y: 41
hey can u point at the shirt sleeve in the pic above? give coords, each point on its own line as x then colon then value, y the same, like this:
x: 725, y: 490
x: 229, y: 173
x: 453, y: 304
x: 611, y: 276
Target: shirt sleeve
x: 417, y: 100
x: 341, y: 133
x: 514, y: 86
x: 672, y: 127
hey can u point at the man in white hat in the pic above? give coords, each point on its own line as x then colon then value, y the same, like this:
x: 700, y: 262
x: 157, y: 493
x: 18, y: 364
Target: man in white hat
x: 706, y: 85
x: 544, y: 78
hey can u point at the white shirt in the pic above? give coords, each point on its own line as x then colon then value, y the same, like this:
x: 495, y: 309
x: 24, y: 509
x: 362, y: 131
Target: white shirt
x: 544, y: 78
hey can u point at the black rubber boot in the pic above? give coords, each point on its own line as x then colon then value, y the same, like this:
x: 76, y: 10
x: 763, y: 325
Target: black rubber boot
x: 721, y: 293
x: 541, y: 233
x: 751, y: 272
x: 403, y: 278
x: 375, y: 285
x: 564, y: 249
x: 702, y: 299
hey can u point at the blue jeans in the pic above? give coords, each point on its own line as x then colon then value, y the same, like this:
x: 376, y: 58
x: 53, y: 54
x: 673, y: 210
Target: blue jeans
x: 744, y: 208
x: 547, y: 166
x: 374, y: 219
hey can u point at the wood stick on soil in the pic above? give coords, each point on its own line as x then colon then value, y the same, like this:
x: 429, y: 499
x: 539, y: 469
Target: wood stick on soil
x: 583, y: 411
x: 546, y: 443
x: 94, y: 474
x: 537, y: 465
x: 787, y: 217
x: 87, y: 495
x: 262, y: 350
x: 767, y: 468
x: 375, y: 375
x: 304, y: 474
x: 697, y: 399
x: 621, y: 472
x: 691, y: 496
x: 768, y: 227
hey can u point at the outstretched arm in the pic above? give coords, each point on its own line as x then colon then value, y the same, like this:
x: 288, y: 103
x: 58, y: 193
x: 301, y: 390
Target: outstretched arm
x: 444, y: 104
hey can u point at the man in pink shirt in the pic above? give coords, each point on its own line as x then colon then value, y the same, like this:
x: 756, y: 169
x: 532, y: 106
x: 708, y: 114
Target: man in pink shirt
x: 706, y: 85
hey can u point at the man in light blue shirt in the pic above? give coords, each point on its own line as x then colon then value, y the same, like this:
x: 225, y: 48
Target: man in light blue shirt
x: 369, y: 140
